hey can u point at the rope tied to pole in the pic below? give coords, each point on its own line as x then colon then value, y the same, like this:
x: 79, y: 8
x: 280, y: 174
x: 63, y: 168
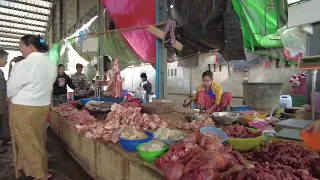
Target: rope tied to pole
x: 170, y: 28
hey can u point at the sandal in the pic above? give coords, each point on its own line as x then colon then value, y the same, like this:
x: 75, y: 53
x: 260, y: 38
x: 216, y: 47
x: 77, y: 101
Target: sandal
x: 48, y: 176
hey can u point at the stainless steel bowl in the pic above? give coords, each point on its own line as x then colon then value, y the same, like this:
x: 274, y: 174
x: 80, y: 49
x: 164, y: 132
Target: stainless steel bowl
x: 222, y: 118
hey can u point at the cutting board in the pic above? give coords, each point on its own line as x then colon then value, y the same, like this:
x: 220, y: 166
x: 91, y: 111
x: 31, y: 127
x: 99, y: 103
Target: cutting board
x: 157, y: 107
x: 292, y: 134
x: 297, y: 124
x: 292, y: 110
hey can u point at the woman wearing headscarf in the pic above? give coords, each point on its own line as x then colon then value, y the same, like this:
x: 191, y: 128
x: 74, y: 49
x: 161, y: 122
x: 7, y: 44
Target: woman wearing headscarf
x: 209, y: 95
x: 29, y: 89
x: 60, y: 87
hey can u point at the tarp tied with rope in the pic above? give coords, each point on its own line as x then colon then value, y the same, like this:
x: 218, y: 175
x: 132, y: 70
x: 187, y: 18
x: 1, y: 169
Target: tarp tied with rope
x: 134, y: 13
x: 260, y: 20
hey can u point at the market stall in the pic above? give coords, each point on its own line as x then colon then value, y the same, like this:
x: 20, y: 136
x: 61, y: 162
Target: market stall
x: 94, y: 144
x: 100, y: 160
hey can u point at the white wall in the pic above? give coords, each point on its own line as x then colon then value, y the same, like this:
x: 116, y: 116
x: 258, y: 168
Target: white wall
x: 187, y: 79
x: 131, y: 77
x: 304, y: 13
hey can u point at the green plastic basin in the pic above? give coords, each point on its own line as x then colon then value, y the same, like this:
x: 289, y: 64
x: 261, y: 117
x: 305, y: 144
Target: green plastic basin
x: 150, y: 156
x: 245, y: 144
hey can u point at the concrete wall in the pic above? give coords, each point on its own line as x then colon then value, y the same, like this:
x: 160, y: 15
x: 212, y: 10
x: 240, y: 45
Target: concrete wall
x: 131, y: 77
x: 185, y: 80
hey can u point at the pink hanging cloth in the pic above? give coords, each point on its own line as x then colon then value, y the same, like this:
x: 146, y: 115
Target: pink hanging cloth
x: 135, y: 13
x: 117, y: 83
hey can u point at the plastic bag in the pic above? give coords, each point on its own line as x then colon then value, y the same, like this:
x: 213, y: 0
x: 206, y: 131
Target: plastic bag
x: 294, y: 40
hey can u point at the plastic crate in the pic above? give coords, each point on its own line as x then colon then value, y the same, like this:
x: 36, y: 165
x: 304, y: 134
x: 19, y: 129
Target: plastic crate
x: 298, y: 100
x: 112, y: 99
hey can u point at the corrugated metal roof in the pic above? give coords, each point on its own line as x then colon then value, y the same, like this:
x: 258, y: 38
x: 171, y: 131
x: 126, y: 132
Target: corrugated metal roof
x: 21, y: 17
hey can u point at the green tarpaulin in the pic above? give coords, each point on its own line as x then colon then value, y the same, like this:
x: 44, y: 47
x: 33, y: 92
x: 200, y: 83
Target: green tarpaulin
x: 115, y: 46
x: 260, y: 20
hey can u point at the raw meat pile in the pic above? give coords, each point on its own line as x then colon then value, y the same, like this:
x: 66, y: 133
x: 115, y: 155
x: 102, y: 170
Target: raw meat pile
x: 250, y: 113
x: 81, y: 117
x: 66, y: 108
x: 314, y: 167
x: 270, y: 172
x: 238, y: 131
x: 197, y: 157
x: 278, y: 161
x: 118, y: 119
x: 284, y: 153
x: 196, y: 125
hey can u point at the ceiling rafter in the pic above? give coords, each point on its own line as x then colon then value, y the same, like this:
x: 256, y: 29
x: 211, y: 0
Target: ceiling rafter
x: 22, y: 23
x: 22, y: 29
x: 8, y: 41
x: 21, y: 16
x: 8, y: 35
x: 24, y: 10
x: 10, y: 32
x: 29, y: 4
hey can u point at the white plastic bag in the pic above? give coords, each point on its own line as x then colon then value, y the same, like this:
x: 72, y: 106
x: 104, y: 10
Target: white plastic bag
x: 294, y: 39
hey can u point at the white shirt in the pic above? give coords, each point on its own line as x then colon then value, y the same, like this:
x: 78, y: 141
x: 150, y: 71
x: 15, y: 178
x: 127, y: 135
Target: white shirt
x: 31, y: 80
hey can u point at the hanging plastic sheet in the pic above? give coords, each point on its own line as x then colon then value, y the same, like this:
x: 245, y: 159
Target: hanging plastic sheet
x: 204, y: 25
x: 54, y: 53
x: 135, y: 13
x: 260, y: 20
x: 116, y: 46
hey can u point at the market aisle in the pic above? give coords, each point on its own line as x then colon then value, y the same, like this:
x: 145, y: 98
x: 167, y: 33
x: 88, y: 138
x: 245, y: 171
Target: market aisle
x: 61, y: 165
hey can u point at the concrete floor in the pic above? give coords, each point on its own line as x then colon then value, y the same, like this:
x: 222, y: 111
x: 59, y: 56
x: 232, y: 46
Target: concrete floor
x: 61, y: 165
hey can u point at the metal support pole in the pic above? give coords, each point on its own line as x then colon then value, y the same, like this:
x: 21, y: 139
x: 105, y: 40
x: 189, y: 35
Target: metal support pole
x: 101, y: 27
x: 313, y: 94
x: 157, y: 53
x: 161, y: 53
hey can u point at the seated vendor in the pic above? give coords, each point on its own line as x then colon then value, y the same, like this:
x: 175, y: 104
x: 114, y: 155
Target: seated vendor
x: 209, y: 95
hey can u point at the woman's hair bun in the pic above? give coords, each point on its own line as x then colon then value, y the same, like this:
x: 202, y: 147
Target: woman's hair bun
x: 35, y: 41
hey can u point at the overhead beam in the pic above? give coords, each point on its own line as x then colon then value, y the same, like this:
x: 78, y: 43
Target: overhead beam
x: 29, y: 4
x: 22, y: 23
x: 24, y: 10
x: 23, y: 17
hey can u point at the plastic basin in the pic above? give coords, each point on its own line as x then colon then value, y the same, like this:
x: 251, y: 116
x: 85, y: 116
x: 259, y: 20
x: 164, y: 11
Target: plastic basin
x: 311, y: 140
x: 84, y: 101
x: 260, y: 115
x: 240, y: 108
x: 150, y: 156
x: 246, y: 144
x: 215, y: 130
x: 130, y: 145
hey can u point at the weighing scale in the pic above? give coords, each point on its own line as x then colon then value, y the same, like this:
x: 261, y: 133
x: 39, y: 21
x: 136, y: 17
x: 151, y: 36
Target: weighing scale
x: 290, y: 129
x: 101, y: 81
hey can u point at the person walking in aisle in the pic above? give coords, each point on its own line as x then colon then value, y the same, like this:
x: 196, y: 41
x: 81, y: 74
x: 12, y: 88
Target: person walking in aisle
x: 4, y: 119
x: 29, y: 89
x: 80, y: 82
x: 60, y: 87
